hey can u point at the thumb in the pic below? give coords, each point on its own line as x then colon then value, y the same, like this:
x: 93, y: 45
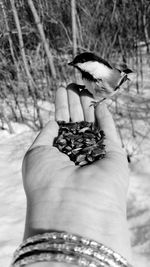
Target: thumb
x: 46, y: 136
x: 106, y: 123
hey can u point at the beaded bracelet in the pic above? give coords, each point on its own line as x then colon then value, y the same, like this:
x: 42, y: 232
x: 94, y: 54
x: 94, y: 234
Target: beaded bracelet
x: 67, y: 248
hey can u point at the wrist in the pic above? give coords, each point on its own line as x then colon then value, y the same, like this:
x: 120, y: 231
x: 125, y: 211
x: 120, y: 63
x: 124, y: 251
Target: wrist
x: 109, y: 228
x: 63, y: 242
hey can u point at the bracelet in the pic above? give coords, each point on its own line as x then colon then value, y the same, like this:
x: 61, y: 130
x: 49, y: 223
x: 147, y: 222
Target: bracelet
x: 68, y: 248
x: 56, y: 257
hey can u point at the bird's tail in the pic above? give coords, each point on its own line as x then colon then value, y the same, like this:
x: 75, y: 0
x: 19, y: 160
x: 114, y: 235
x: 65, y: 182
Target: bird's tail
x: 127, y: 71
x: 124, y: 77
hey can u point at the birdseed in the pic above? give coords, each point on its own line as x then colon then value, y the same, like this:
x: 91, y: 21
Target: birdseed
x: 82, y: 141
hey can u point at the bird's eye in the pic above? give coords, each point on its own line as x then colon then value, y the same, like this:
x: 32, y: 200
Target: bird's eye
x: 83, y: 60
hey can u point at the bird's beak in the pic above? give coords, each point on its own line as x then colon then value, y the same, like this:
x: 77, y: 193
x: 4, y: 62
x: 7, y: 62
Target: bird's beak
x: 71, y: 63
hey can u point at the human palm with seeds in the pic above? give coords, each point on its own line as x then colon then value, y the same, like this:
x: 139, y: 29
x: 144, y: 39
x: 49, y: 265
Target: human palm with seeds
x: 90, y: 200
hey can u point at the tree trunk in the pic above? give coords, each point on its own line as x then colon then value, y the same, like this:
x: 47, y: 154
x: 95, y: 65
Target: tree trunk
x: 43, y: 38
x: 74, y: 32
x: 74, y: 28
x: 22, y: 50
x: 9, y: 37
x: 5, y: 118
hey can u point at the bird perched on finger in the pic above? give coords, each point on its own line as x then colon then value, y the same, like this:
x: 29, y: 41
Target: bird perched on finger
x: 99, y: 77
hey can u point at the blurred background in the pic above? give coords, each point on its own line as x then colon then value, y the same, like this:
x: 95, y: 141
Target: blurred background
x: 37, y: 40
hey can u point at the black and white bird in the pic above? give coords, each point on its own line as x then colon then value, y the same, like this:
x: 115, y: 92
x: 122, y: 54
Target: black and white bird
x: 99, y: 77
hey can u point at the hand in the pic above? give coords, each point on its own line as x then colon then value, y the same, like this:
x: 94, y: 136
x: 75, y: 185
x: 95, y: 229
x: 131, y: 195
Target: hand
x: 90, y: 200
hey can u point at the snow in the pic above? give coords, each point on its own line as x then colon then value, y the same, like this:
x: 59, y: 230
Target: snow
x: 138, y: 211
x: 13, y: 202
x: 12, y: 197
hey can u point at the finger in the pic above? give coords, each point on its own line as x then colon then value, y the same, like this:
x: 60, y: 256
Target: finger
x: 75, y: 108
x: 61, y: 105
x: 106, y: 123
x: 88, y: 109
x: 47, y: 135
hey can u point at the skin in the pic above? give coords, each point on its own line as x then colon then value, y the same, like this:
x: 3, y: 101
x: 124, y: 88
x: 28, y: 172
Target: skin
x: 89, y: 201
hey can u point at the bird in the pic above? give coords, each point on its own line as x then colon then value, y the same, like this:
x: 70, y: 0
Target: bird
x: 99, y: 77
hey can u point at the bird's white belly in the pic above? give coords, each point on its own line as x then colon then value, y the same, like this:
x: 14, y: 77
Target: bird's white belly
x: 96, y: 69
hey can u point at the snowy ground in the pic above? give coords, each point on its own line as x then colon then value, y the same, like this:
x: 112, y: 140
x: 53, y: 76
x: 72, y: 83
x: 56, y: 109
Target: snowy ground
x: 12, y: 198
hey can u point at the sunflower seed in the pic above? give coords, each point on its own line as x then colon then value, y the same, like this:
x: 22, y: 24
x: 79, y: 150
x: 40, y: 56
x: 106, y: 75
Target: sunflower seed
x: 62, y: 141
x: 88, y: 135
x: 90, y: 158
x: 96, y: 152
x: 83, y: 130
x: 83, y: 163
x: 76, y: 151
x: 82, y: 141
x: 68, y: 148
x: 80, y: 157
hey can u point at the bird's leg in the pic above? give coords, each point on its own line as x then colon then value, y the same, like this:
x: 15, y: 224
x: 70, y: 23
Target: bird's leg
x: 95, y: 103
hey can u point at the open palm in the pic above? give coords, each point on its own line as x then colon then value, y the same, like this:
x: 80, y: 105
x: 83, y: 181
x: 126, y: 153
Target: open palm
x: 89, y: 200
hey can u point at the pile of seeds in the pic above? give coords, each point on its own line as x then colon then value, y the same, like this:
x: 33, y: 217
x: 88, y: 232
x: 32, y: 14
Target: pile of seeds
x: 82, y: 141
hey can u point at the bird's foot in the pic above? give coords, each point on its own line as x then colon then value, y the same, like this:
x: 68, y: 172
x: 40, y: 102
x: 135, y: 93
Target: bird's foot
x: 95, y: 103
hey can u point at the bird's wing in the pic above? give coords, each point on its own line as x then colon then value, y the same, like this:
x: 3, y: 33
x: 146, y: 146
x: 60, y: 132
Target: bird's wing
x: 89, y: 85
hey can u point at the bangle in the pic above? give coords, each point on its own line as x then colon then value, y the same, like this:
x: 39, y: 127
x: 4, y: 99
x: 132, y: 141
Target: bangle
x: 56, y: 257
x: 67, y: 248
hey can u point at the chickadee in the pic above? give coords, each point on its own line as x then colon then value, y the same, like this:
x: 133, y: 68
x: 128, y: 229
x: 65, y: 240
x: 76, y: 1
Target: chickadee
x: 99, y: 77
